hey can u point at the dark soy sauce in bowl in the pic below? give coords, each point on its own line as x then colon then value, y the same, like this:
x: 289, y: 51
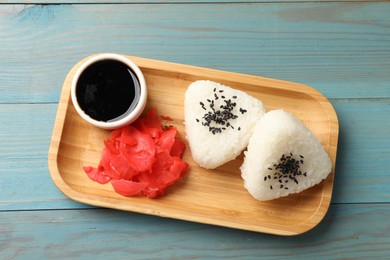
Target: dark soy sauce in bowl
x: 107, y: 90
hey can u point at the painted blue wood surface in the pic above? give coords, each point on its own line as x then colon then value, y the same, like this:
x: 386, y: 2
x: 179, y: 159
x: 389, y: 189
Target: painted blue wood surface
x: 362, y: 171
x: 348, y: 232
x: 163, y: 2
x: 340, y: 48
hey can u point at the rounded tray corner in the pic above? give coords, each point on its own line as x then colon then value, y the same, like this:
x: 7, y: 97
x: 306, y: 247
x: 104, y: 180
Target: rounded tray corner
x: 75, y: 143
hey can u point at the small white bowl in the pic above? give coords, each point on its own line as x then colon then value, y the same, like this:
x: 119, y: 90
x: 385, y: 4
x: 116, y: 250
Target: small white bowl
x: 128, y: 117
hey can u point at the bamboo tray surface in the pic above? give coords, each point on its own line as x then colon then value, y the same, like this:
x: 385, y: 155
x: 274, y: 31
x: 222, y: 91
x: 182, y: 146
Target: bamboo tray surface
x: 217, y: 196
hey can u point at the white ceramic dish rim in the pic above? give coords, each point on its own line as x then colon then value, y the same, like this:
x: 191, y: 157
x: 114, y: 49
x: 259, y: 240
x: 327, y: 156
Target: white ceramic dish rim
x: 131, y: 115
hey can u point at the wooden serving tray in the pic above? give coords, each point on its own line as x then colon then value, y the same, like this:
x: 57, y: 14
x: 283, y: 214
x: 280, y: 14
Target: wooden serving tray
x: 207, y: 196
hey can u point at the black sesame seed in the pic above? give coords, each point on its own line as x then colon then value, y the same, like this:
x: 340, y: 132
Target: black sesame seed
x: 288, y: 168
x: 197, y: 120
x: 269, y: 168
x: 286, y: 188
x: 243, y: 111
x: 265, y: 178
x: 219, y: 116
x: 234, y: 96
x: 281, y: 186
x: 301, y: 156
x: 270, y: 187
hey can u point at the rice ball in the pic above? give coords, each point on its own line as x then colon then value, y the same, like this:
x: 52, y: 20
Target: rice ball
x: 283, y: 157
x: 219, y: 121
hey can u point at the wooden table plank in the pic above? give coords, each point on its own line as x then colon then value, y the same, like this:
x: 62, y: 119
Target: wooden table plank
x: 25, y: 183
x: 361, y: 168
x: 166, y: 1
x: 341, y: 49
x: 363, y: 151
x: 353, y: 231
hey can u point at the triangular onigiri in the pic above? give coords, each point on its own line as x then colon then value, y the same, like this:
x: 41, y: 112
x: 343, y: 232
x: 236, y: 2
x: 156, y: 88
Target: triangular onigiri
x: 219, y: 121
x: 283, y: 157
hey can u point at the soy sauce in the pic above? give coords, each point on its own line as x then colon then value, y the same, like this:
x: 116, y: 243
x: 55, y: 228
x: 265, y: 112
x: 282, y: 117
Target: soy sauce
x: 107, y: 90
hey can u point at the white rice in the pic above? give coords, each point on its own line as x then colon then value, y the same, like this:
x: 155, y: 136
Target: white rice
x: 279, y: 133
x: 209, y: 149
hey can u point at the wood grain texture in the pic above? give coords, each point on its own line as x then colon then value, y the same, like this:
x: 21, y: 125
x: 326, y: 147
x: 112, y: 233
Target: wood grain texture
x: 365, y: 151
x: 362, y: 168
x: 348, y: 232
x: 207, y: 196
x: 29, y: 2
x: 25, y: 132
x: 340, y: 49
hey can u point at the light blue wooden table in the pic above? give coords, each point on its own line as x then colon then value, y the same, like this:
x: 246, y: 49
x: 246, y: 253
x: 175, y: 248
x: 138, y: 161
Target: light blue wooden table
x: 341, y: 48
